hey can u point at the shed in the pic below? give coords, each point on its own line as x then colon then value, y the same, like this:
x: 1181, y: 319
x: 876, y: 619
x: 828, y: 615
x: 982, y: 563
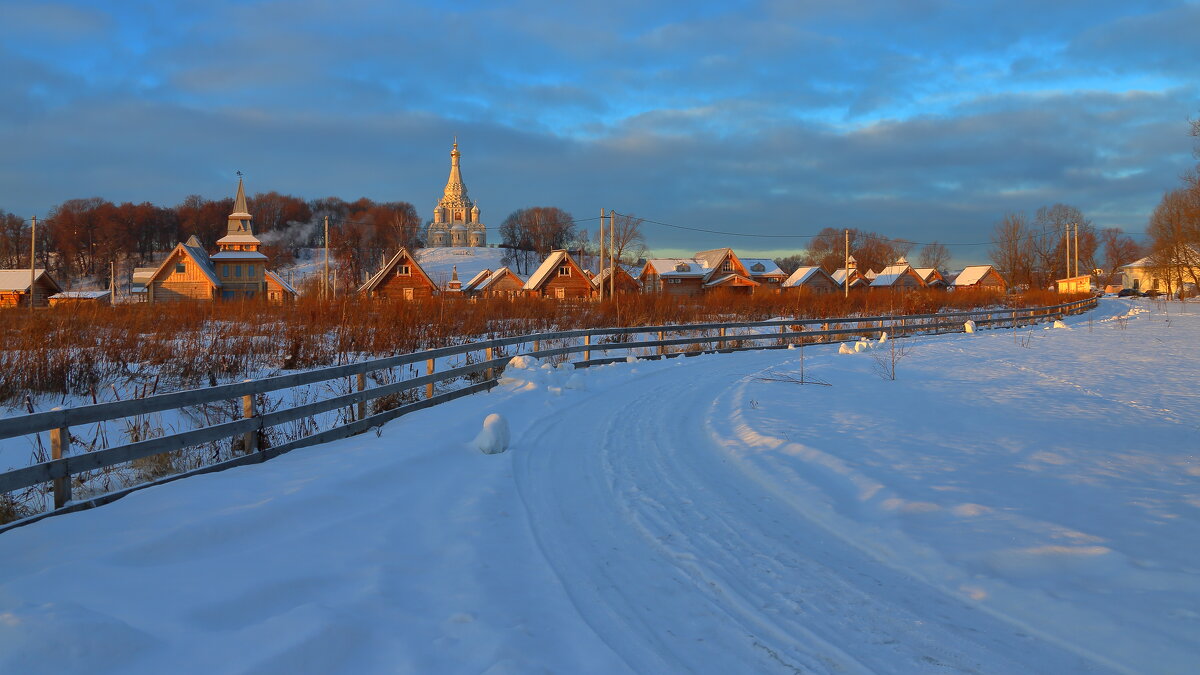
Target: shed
x: 81, y: 298
x: 14, y: 287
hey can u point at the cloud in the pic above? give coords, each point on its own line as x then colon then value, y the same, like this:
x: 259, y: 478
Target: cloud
x: 924, y: 120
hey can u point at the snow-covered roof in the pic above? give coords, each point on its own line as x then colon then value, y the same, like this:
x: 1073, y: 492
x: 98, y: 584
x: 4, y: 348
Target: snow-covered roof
x: 82, y: 295
x: 803, y: 275
x: 543, y: 271
x: 142, y: 275
x: 839, y: 276
x: 971, y: 275
x: 890, y: 275
x: 928, y: 274
x: 239, y: 239
x: 18, y: 280
x: 733, y: 279
x: 769, y: 268
x: 497, y: 276
x: 237, y: 255
x: 676, y: 267
x: 477, y: 279
x: 279, y: 280
x: 603, y: 276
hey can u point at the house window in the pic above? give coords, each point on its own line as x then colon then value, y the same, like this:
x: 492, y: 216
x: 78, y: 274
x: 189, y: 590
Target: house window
x: 250, y: 271
x: 683, y: 267
x: 727, y: 266
x: 564, y: 271
x: 672, y: 281
x: 249, y: 294
x: 402, y: 271
x: 408, y: 294
x: 180, y: 268
x: 758, y: 267
x: 237, y: 271
x: 226, y: 295
x: 224, y: 271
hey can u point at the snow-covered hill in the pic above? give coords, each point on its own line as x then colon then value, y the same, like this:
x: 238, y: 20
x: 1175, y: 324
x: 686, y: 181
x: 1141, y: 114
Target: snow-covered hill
x: 439, y: 263
x: 1011, y: 503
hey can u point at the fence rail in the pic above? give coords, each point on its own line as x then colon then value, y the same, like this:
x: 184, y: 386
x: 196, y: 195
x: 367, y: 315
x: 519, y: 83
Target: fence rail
x: 62, y: 466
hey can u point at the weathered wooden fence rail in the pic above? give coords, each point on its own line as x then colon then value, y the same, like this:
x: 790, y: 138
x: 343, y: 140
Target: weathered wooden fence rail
x: 62, y: 465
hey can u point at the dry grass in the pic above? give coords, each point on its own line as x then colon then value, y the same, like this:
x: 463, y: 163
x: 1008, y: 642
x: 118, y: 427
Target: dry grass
x: 77, y: 349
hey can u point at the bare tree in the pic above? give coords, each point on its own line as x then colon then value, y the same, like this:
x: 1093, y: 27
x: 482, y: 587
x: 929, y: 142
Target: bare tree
x: 934, y: 255
x: 1119, y: 250
x: 1012, y: 249
x: 1175, y: 238
x: 627, y: 237
x: 531, y: 233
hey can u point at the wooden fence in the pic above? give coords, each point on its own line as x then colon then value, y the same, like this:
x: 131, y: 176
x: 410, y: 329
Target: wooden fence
x: 700, y: 338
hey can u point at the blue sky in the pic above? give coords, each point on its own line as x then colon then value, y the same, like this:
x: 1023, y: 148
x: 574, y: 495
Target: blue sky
x: 925, y: 120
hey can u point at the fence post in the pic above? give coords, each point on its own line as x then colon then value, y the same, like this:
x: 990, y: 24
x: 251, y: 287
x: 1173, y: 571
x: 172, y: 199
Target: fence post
x: 587, y: 353
x: 490, y: 372
x: 362, y: 405
x: 537, y: 346
x: 60, y: 445
x: 782, y: 340
x: 250, y: 438
x: 429, y: 371
x: 662, y: 349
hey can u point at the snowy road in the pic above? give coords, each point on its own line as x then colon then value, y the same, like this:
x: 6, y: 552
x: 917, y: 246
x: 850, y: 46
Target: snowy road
x: 1023, y: 502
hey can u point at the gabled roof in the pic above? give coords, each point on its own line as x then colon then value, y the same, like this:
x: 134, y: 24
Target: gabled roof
x: 193, y: 249
x: 892, y: 274
x: 622, y: 273
x: 839, y: 277
x: 479, y: 278
x: 929, y: 275
x: 17, y: 281
x: 675, y: 267
x: 496, y: 276
x: 803, y: 275
x: 714, y: 259
x: 542, y: 274
x: 972, y: 275
x: 381, y: 275
x: 769, y: 268
x: 283, y: 284
x: 731, y: 279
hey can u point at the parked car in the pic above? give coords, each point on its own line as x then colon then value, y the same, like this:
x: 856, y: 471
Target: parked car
x: 1128, y: 292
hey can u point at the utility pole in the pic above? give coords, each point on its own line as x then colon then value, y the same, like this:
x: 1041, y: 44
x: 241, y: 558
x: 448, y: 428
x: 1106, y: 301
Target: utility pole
x: 325, y: 286
x: 1076, y: 249
x: 1067, y: 242
x: 846, y: 281
x: 612, y: 251
x: 32, y: 261
x: 112, y: 282
x: 600, y: 253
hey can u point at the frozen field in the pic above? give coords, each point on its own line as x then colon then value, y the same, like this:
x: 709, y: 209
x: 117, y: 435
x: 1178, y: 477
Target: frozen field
x: 1011, y: 503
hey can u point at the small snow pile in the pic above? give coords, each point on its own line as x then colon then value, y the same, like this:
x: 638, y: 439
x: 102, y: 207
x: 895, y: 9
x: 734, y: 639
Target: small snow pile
x: 882, y: 337
x: 969, y: 326
x: 1059, y: 324
x: 493, y: 438
x: 845, y: 348
x: 862, y: 346
x: 631, y: 359
x: 522, y: 362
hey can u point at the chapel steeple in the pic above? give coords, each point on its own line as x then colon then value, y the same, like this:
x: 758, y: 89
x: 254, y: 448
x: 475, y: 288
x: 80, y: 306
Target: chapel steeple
x: 456, y: 217
x: 239, y: 220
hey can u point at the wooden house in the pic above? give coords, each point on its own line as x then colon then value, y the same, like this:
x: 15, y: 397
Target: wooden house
x: 400, y: 278
x: 766, y: 272
x: 81, y: 298
x: 622, y: 283
x: 899, y: 276
x: 501, y: 283
x: 15, y: 288
x: 810, y: 280
x: 1079, y: 284
x: 979, y: 276
x: 559, y: 276
x: 237, y: 271
x: 931, y: 277
x: 851, y: 275
x: 716, y: 270
x: 278, y: 290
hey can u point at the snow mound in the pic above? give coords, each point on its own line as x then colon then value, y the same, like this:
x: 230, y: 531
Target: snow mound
x: 522, y: 362
x: 845, y: 348
x: 969, y: 326
x: 1059, y: 324
x: 493, y: 438
x: 883, y: 337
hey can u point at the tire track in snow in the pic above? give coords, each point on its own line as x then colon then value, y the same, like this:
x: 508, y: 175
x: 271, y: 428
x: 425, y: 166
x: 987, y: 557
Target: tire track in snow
x: 679, y: 558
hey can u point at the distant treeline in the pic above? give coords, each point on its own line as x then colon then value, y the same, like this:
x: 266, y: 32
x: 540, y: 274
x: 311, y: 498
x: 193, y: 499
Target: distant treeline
x: 82, y: 237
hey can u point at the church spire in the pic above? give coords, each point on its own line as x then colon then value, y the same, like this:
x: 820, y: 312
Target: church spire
x: 239, y: 220
x: 455, y: 193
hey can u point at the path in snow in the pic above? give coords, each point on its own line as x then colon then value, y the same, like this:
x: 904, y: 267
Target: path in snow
x: 1024, y: 502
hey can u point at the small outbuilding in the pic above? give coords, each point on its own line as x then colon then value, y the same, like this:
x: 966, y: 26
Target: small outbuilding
x: 81, y: 298
x: 15, y: 288
x: 979, y: 276
x: 559, y: 276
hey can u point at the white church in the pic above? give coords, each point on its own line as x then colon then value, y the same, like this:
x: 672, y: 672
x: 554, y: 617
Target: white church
x: 456, y: 218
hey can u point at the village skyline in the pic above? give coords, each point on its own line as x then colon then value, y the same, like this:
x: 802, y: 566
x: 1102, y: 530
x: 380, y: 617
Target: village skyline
x: 926, y: 124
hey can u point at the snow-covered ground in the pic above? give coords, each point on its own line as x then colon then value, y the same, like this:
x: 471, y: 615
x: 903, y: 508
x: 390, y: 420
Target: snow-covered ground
x: 1011, y: 503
